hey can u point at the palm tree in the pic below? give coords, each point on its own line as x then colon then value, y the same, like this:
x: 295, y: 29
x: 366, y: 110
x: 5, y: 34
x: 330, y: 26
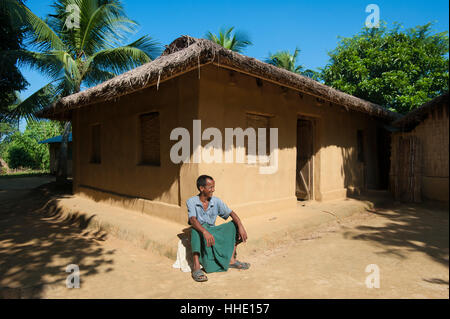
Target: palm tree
x: 76, y: 57
x: 236, y: 41
x: 288, y: 61
x: 285, y: 60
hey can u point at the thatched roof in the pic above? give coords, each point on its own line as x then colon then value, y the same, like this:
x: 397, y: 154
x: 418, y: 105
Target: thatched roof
x: 413, y: 118
x: 186, y: 54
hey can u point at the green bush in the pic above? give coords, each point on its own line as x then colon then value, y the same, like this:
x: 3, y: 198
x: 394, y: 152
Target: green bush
x: 18, y: 156
x: 24, y: 150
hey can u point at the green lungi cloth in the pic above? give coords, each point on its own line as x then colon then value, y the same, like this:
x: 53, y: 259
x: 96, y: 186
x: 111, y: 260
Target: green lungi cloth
x: 217, y: 257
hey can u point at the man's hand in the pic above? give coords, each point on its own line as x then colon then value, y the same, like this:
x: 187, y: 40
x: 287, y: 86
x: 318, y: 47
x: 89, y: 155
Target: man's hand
x: 209, y: 239
x: 240, y: 228
x: 242, y: 233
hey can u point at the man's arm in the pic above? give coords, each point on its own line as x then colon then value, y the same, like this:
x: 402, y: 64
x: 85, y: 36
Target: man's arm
x: 196, y: 225
x: 241, y: 229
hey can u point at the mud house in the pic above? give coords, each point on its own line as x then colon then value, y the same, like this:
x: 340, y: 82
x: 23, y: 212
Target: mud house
x: 329, y: 144
x: 419, y: 162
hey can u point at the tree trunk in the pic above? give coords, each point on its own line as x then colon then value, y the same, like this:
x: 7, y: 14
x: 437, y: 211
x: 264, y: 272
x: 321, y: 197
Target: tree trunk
x: 61, y: 172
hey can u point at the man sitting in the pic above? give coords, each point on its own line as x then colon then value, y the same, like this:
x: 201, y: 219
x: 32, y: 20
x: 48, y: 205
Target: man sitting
x: 214, y: 247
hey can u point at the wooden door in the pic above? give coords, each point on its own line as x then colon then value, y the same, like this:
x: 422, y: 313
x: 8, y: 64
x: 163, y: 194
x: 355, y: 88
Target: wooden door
x: 407, y: 186
x: 304, y: 159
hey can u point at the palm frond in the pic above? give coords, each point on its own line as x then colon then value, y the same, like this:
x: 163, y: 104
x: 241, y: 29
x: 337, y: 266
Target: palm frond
x: 124, y: 58
x: 107, y: 22
x: 46, y: 64
x: 95, y: 75
x: 35, y: 102
x: 38, y: 31
x: 69, y: 64
x: 240, y: 41
x: 311, y: 74
x: 236, y: 41
x: 285, y: 60
x: 211, y: 36
x: 76, y: 57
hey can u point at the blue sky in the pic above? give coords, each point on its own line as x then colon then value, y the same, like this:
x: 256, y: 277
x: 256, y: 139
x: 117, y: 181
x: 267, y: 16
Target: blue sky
x: 312, y: 26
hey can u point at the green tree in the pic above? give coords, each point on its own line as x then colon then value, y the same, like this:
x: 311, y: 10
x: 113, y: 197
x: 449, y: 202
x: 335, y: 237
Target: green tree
x: 288, y: 61
x: 24, y: 150
x: 76, y: 56
x: 397, y: 70
x: 11, y: 79
x: 232, y: 40
x: 6, y: 129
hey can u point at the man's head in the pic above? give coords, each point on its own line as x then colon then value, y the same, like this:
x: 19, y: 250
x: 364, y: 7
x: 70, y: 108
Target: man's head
x: 206, y: 184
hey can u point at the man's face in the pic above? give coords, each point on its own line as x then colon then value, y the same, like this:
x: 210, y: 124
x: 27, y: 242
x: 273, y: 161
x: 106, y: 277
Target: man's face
x: 208, y: 190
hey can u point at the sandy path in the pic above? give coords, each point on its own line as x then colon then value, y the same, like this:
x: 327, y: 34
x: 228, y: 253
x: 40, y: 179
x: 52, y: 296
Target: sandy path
x: 328, y: 264
x: 409, y: 245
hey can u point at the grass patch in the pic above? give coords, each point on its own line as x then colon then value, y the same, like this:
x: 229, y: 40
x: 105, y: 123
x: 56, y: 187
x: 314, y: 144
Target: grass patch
x: 25, y: 173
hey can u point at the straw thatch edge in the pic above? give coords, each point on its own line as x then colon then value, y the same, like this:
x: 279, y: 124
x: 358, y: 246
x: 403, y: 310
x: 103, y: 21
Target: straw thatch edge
x: 186, y: 54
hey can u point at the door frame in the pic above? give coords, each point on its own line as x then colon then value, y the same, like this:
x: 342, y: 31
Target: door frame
x: 313, y: 120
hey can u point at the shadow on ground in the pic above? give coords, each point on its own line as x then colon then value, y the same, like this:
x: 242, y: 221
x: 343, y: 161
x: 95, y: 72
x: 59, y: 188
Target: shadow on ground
x: 36, y: 244
x: 414, y: 227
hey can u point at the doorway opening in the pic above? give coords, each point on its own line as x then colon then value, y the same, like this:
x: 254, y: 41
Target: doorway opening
x: 305, y: 156
x: 384, y: 157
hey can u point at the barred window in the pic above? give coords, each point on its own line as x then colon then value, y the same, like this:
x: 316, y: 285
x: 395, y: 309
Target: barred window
x: 150, y: 138
x: 360, y: 145
x: 96, y: 144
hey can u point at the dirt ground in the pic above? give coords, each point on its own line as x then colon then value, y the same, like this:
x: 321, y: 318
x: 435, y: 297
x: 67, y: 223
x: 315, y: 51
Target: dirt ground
x: 408, y: 243
x: 28, y: 182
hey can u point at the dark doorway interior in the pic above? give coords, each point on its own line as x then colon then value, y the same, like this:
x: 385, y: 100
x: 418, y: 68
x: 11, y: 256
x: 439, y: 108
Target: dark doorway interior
x: 384, y: 156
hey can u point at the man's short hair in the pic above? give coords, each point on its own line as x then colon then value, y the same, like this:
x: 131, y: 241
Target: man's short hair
x: 201, y: 180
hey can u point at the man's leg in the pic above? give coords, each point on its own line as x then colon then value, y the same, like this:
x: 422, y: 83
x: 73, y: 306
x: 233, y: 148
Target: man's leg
x: 196, y: 247
x: 233, y: 256
x: 196, y: 261
x: 233, y: 259
x: 201, y: 276
x: 237, y: 242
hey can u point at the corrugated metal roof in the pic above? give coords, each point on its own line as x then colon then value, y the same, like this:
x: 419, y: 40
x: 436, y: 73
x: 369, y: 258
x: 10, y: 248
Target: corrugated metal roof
x: 56, y: 139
